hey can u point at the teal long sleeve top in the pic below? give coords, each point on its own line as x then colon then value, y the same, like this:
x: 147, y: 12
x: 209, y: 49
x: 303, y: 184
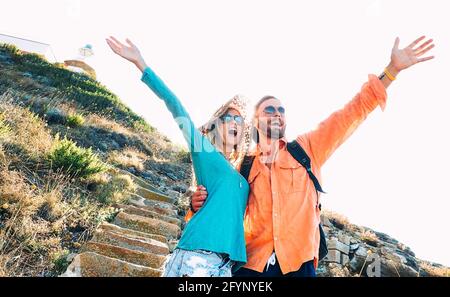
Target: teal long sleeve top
x: 218, y: 225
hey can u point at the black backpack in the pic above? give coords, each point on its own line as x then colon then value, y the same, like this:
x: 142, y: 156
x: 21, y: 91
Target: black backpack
x: 300, y: 155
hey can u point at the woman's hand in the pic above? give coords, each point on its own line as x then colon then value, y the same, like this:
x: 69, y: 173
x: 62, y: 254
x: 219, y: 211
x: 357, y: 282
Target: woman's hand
x: 402, y: 59
x: 198, y: 198
x: 129, y: 52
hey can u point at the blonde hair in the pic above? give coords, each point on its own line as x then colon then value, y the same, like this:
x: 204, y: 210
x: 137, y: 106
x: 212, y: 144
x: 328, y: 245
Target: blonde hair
x: 239, y: 103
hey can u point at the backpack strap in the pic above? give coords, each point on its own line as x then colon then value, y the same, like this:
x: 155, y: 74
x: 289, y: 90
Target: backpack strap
x: 246, y: 166
x: 300, y: 155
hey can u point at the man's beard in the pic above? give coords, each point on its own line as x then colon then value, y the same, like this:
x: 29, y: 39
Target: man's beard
x: 274, y: 134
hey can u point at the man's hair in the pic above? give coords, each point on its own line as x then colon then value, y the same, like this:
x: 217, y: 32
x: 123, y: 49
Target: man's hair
x: 255, y: 133
x: 262, y: 100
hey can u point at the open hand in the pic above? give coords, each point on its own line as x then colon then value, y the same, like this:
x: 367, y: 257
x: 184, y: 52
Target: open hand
x: 410, y: 55
x: 127, y: 51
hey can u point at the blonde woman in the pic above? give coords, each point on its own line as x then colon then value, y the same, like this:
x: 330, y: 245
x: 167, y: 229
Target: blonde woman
x: 212, y: 243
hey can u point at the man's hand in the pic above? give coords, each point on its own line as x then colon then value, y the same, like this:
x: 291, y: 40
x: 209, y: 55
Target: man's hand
x: 402, y: 59
x: 198, y: 198
x: 129, y: 52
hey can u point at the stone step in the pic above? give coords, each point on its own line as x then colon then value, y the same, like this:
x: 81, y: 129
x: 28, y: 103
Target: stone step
x: 124, y: 254
x: 148, y: 225
x: 130, y: 209
x: 335, y: 244
x: 139, y: 181
x: 90, y: 264
x: 156, y: 206
x: 152, y: 195
x: 131, y: 242
x: 130, y: 232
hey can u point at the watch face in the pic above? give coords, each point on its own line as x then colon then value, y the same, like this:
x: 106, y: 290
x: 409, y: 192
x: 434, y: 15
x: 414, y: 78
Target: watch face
x: 382, y: 75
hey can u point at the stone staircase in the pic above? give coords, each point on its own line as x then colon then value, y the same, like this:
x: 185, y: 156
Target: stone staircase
x: 137, y: 243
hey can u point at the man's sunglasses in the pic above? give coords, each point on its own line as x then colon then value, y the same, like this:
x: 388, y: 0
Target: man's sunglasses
x: 271, y: 110
x: 228, y: 117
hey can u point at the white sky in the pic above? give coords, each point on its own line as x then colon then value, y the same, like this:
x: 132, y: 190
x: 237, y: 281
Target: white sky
x: 391, y: 175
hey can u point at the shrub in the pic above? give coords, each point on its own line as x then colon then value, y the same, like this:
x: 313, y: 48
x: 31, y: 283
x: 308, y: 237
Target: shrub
x: 370, y: 238
x: 75, y: 120
x: 116, y: 190
x: 74, y: 160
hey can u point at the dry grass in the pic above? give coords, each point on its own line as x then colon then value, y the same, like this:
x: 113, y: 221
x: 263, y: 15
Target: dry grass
x: 30, y: 132
x: 116, y: 190
x: 128, y: 157
x: 369, y: 237
x: 440, y: 271
x: 338, y: 220
x: 101, y: 122
x: 43, y: 222
x: 44, y: 215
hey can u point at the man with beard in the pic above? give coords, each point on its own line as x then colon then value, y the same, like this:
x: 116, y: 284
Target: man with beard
x: 283, y: 212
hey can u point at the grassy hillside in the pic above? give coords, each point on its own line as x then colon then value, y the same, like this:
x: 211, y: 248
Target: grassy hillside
x: 64, y: 141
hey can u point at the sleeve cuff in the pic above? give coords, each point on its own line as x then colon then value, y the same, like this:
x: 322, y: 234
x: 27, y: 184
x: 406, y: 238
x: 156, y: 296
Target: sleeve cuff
x: 378, y: 89
x: 146, y: 74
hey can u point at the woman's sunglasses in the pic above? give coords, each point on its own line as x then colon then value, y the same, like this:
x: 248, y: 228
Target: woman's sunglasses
x: 228, y: 117
x: 271, y: 110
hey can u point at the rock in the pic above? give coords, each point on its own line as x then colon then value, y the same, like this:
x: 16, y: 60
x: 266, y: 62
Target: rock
x: 138, y: 180
x: 181, y: 188
x: 333, y: 270
x: 333, y: 256
x: 130, y: 209
x: 172, y: 245
x: 361, y: 251
x: 149, y: 176
x: 335, y: 244
x: 400, y: 258
x: 124, y: 254
x: 159, y: 207
x: 103, y: 146
x: 386, y: 238
x: 43, y: 80
x: 390, y: 268
x: 358, y: 260
x: 147, y: 225
x: 174, y: 195
x: 172, y: 176
x: 132, y: 170
x: 338, y: 271
x: 70, y: 257
x: 90, y: 264
x: 55, y: 116
x: 345, y: 259
x: 354, y: 247
x: 133, y: 233
x: 152, y: 195
x: 131, y: 242
x: 114, y: 145
x: 345, y: 239
x: 325, y: 221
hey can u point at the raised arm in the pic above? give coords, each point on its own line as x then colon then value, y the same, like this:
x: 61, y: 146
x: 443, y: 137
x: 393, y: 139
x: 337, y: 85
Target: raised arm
x: 333, y: 131
x: 131, y: 53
